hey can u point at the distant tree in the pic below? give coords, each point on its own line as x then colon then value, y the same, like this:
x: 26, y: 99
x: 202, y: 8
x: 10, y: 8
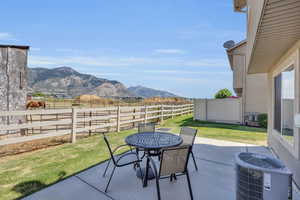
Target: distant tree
x: 224, y: 93
x: 38, y: 94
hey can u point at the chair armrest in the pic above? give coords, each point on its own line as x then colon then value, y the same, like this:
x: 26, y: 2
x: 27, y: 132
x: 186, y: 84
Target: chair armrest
x: 127, y: 154
x: 121, y: 146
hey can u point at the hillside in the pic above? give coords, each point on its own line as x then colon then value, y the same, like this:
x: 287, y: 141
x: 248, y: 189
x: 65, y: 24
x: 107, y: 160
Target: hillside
x: 65, y: 80
x: 69, y: 83
x: 149, y: 92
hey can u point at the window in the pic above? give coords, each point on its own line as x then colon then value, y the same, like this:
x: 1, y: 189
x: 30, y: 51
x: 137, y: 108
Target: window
x: 284, y: 97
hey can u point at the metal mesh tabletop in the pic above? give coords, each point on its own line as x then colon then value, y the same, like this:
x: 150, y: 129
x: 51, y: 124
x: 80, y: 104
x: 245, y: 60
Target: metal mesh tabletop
x: 156, y: 140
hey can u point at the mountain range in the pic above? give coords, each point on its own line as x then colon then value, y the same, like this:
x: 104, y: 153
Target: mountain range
x: 69, y: 83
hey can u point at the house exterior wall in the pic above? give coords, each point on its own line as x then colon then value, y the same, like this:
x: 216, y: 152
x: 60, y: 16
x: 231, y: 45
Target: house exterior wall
x: 252, y: 87
x: 255, y: 93
x: 13, y: 81
x: 289, y: 153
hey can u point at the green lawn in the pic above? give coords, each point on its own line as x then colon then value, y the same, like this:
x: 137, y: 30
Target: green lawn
x: 29, y: 172
x: 25, y: 173
x: 235, y: 133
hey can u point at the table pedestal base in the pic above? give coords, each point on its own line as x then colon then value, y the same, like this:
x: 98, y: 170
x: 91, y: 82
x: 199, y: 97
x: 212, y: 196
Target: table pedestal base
x: 150, y: 173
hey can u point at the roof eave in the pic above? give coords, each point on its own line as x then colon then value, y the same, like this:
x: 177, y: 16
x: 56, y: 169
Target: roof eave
x: 14, y: 46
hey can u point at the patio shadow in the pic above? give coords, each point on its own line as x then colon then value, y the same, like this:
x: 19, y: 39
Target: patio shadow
x: 28, y: 187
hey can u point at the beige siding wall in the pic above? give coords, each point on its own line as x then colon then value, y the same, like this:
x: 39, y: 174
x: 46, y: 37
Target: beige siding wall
x: 218, y: 110
x: 238, y: 71
x: 238, y: 67
x: 256, y: 93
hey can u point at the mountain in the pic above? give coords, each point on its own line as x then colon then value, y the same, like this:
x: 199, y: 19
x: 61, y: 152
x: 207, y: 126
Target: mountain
x: 70, y: 83
x: 149, y: 92
x: 66, y: 82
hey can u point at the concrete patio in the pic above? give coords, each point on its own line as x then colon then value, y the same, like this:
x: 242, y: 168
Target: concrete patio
x: 215, y: 179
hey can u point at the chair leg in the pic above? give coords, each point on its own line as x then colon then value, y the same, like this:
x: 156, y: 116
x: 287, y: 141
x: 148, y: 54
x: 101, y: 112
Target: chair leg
x: 196, y: 167
x: 143, y: 156
x: 189, y: 184
x: 103, y: 175
x: 111, y: 175
x: 157, y: 188
x: 140, y: 169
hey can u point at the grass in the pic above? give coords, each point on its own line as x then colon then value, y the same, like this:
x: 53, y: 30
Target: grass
x: 220, y: 131
x: 23, y: 174
x: 26, y: 173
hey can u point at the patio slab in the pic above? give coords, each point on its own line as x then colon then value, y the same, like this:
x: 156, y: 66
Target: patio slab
x: 71, y: 188
x: 214, y: 180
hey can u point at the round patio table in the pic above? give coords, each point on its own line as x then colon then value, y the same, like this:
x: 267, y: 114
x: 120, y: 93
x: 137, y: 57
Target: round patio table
x: 150, y: 141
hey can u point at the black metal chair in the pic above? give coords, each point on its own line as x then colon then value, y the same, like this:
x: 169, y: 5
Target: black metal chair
x: 145, y: 128
x: 188, y: 136
x: 120, y: 160
x: 173, y: 163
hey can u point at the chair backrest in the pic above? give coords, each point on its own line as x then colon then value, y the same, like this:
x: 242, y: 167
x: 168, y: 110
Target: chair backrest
x: 174, y: 160
x: 188, y: 135
x: 109, y: 149
x: 146, y: 127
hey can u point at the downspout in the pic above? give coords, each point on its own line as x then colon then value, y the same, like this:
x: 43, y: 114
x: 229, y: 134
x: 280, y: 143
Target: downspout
x: 8, y: 84
x: 244, y: 91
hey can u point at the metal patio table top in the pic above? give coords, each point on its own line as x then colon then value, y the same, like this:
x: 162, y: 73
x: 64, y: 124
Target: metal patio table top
x: 153, y: 140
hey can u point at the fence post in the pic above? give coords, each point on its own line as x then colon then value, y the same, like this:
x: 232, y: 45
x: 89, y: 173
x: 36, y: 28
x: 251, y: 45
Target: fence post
x: 182, y: 109
x: 90, y: 124
x: 74, y: 125
x: 118, y: 118
x: 172, y: 111
x: 145, y: 114
x: 162, y: 114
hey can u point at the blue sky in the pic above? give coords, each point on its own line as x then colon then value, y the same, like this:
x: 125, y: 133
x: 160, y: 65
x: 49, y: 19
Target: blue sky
x: 175, y: 45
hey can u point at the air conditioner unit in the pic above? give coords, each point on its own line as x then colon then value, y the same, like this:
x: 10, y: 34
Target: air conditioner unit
x: 261, y: 177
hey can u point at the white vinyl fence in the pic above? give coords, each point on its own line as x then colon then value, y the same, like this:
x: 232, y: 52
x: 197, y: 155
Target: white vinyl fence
x: 39, y: 124
x: 218, y: 110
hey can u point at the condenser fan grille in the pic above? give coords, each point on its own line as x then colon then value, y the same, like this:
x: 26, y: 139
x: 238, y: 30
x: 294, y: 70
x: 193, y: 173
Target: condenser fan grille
x: 249, y: 184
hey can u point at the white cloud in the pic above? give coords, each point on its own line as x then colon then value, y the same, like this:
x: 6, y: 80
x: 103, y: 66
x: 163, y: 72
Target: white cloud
x: 187, y: 72
x: 34, y: 49
x: 66, y: 50
x: 7, y: 36
x: 123, y: 61
x: 189, y: 80
x: 169, y: 51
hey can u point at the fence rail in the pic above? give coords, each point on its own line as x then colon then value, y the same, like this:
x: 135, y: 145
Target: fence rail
x: 39, y: 124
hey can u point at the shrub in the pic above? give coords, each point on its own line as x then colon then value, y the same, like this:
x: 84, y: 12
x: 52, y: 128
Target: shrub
x: 263, y: 120
x: 224, y: 93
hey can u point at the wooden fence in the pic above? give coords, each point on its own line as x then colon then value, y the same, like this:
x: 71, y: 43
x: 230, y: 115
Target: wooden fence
x: 39, y: 124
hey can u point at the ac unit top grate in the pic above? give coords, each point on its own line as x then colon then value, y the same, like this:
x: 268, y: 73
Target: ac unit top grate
x: 260, y: 160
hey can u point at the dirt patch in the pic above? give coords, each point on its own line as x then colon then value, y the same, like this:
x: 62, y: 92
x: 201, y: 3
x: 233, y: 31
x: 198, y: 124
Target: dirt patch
x: 13, y: 149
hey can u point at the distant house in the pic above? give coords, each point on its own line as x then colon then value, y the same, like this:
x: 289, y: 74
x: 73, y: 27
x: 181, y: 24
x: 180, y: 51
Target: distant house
x: 13, y: 80
x: 273, y: 47
x: 251, y: 88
